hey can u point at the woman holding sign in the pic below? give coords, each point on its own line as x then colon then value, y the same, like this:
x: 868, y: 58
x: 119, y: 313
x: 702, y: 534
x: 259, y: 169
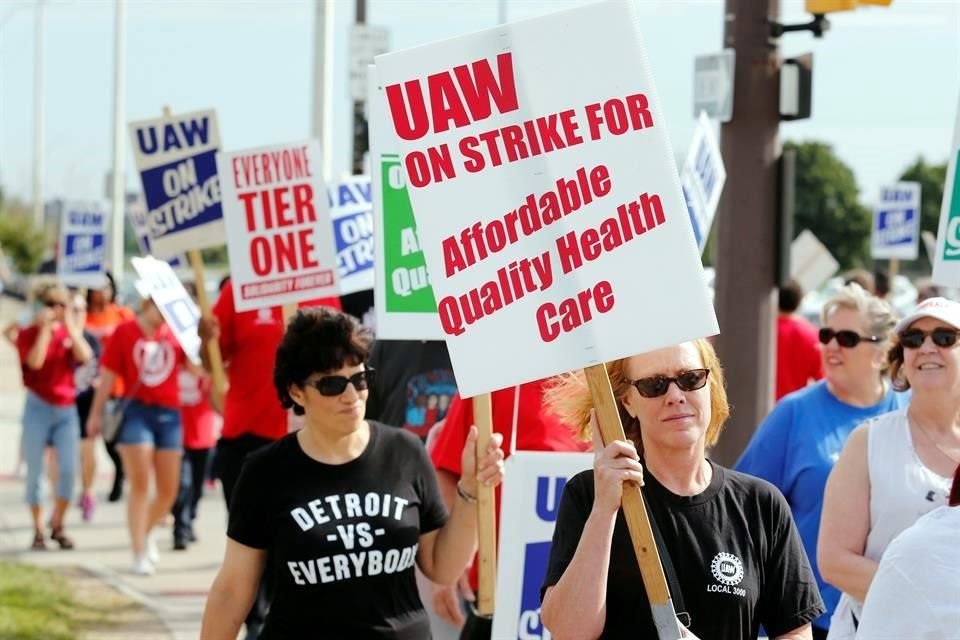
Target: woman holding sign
x: 736, y: 557
x: 343, y: 507
x: 144, y: 353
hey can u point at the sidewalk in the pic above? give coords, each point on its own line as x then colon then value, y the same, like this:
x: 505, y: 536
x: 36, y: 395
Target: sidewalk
x: 175, y: 595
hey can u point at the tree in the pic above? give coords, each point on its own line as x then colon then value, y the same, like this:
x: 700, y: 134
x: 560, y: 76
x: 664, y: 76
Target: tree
x: 932, y: 178
x: 18, y: 237
x: 827, y: 205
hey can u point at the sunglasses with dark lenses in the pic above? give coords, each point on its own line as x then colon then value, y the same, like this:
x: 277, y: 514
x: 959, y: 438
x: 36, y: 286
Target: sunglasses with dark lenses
x: 846, y: 338
x: 335, y: 385
x: 656, y: 386
x: 941, y: 336
x: 54, y: 304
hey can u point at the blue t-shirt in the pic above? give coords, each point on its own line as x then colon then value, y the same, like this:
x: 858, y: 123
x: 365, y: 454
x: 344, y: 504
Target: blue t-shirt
x: 795, y: 449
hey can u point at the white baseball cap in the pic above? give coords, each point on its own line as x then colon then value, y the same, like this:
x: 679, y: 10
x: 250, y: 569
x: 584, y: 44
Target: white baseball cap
x: 940, y: 308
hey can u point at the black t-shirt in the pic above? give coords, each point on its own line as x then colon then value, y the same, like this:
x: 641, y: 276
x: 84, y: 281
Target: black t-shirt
x: 342, y: 538
x: 414, y: 384
x: 735, y: 548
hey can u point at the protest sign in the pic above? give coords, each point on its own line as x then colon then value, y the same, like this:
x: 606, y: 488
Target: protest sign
x: 555, y: 232
x: 137, y: 214
x: 175, y: 158
x: 896, y: 223
x: 403, y: 297
x: 82, y: 253
x: 946, y: 265
x: 702, y: 178
x: 811, y: 263
x: 532, y: 485
x: 352, y: 213
x: 278, y: 230
x: 159, y: 282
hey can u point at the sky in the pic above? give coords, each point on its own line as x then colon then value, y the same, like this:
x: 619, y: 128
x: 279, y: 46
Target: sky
x: 886, y: 79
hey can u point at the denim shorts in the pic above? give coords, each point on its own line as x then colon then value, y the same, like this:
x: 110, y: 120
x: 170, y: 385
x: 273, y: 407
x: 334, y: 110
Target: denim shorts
x: 151, y: 424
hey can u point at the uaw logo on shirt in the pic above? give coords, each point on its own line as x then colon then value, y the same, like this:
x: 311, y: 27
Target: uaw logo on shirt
x: 264, y: 316
x: 727, y: 569
x: 154, y: 360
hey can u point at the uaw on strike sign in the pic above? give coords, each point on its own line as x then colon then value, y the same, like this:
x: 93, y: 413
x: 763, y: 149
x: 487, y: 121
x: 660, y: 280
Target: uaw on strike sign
x: 175, y: 158
x: 279, y: 235
x: 547, y: 202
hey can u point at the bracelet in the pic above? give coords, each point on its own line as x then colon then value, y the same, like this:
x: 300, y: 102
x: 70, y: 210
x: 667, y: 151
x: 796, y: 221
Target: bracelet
x: 466, y: 496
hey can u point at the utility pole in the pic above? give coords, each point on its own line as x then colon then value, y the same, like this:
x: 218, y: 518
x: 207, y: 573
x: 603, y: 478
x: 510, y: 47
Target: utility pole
x: 119, y: 115
x: 361, y: 142
x: 321, y: 116
x: 39, y: 115
x: 747, y: 223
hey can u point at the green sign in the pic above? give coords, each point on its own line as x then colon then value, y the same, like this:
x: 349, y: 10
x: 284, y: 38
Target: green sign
x: 407, y: 284
x: 951, y: 244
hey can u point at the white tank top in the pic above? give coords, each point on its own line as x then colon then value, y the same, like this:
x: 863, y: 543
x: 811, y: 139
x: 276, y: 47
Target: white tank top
x: 901, y: 490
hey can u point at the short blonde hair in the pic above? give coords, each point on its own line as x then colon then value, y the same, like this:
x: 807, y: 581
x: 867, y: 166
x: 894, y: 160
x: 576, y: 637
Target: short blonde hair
x: 569, y: 398
x: 46, y: 287
x: 879, y: 316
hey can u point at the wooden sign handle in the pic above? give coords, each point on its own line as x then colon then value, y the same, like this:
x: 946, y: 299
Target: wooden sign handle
x: 634, y: 511
x: 289, y: 310
x: 217, y: 373
x: 486, y: 513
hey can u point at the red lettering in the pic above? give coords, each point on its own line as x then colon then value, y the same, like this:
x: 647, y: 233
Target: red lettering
x: 236, y: 172
x: 410, y: 123
x: 247, y: 199
x: 571, y: 313
x: 473, y: 159
x: 303, y: 203
x: 261, y: 258
x: 445, y: 104
x: 307, y: 249
x: 482, y: 89
x: 281, y: 207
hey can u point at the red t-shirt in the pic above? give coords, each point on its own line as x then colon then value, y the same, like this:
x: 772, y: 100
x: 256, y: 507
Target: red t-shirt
x: 54, y: 380
x: 153, y: 361
x: 198, y: 417
x: 538, y: 430
x: 798, y: 354
x: 248, y: 343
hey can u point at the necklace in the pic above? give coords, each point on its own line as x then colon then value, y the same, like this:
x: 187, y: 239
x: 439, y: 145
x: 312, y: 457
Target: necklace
x: 942, y: 449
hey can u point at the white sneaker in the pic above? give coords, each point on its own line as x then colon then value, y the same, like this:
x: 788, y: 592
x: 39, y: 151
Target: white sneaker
x: 152, y: 550
x: 142, y: 566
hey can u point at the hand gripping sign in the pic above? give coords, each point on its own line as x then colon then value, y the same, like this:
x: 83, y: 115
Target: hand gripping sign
x: 278, y: 225
x: 946, y: 265
x: 549, y: 210
x: 82, y: 252
x: 404, y: 302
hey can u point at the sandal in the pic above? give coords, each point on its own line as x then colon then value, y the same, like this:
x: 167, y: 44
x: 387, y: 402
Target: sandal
x: 38, y: 542
x: 60, y: 538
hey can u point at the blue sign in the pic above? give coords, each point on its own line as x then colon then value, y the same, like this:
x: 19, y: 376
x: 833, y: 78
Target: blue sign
x: 896, y: 223
x: 176, y: 158
x: 82, y: 257
x: 702, y: 178
x: 351, y: 209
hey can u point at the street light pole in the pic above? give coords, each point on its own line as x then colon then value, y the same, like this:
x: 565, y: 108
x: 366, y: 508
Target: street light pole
x: 747, y: 218
x: 119, y: 115
x: 321, y: 117
x: 39, y: 115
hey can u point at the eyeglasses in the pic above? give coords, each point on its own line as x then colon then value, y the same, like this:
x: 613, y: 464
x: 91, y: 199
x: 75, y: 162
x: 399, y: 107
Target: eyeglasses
x: 846, y: 339
x: 941, y: 336
x: 54, y: 304
x: 656, y: 386
x: 335, y: 385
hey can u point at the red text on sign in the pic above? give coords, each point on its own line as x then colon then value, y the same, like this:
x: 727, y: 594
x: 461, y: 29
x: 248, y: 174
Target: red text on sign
x: 278, y: 207
x: 619, y: 116
x: 552, y: 320
x: 520, y: 141
x: 451, y: 94
x: 282, y: 252
x: 259, y: 169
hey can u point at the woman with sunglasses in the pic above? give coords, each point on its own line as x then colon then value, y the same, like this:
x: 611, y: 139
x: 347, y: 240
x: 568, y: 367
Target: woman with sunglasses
x: 797, y: 445
x: 735, y: 553
x: 50, y: 348
x: 896, y: 467
x: 343, y: 508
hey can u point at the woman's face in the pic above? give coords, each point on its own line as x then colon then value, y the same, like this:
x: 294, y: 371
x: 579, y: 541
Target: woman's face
x: 846, y: 367
x: 57, y: 302
x: 100, y: 297
x: 342, y: 413
x: 678, y: 419
x: 932, y: 368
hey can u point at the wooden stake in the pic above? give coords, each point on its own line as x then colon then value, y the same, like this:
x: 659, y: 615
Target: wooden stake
x: 654, y: 581
x: 892, y: 273
x: 486, y: 513
x: 217, y: 374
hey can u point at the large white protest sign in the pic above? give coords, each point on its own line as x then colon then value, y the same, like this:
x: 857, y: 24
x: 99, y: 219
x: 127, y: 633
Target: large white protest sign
x: 352, y: 213
x: 137, y: 214
x: 403, y: 297
x: 175, y: 157
x: 702, y: 178
x: 532, y: 486
x: 82, y: 253
x: 946, y: 265
x: 896, y: 223
x: 159, y: 282
x: 546, y: 198
x: 811, y: 263
x: 278, y: 225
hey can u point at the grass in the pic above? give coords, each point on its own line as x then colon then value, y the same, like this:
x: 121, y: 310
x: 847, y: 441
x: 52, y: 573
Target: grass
x: 38, y: 604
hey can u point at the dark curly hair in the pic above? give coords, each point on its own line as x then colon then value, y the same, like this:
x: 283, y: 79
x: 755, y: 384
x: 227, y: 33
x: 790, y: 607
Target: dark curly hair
x: 316, y: 340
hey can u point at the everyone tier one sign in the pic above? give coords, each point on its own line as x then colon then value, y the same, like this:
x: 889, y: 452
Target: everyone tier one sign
x: 546, y: 198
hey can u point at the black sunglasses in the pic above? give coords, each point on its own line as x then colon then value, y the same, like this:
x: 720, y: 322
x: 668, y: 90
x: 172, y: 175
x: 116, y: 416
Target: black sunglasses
x: 846, y: 338
x: 941, y: 336
x: 656, y: 386
x: 335, y: 385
